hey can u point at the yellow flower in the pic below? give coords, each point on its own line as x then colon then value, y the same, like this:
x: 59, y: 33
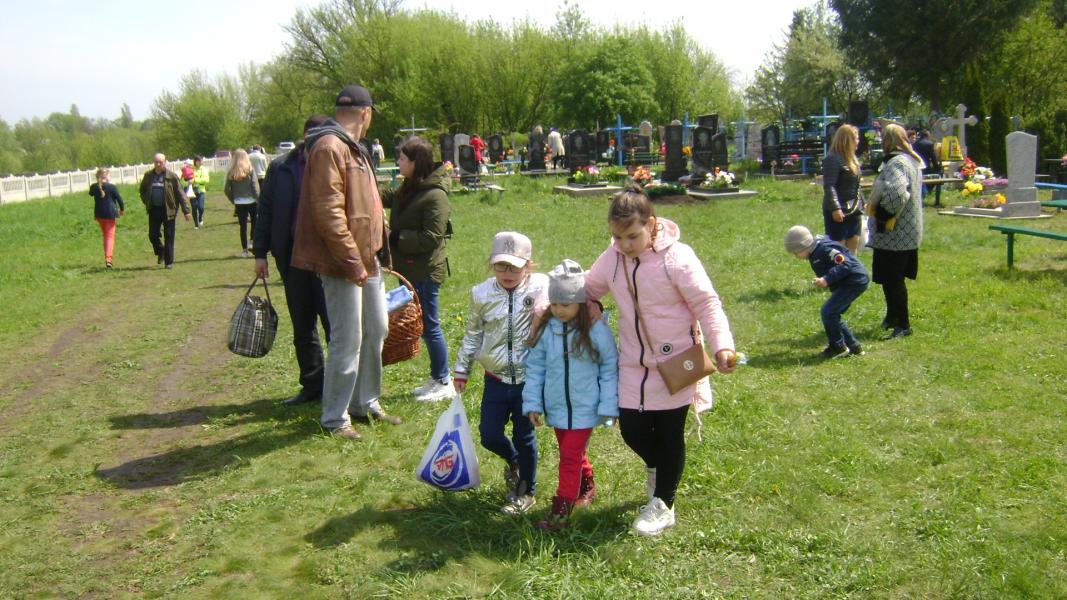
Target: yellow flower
x: 1001, y: 199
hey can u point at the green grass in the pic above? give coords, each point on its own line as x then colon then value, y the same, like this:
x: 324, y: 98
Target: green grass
x: 138, y: 458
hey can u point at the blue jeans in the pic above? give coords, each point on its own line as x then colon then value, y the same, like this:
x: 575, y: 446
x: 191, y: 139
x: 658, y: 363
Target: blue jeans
x: 501, y: 402
x: 198, y: 208
x: 352, y: 381
x: 431, y: 328
x: 837, y: 332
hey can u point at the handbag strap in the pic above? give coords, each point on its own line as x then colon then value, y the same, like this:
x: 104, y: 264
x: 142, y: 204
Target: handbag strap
x: 265, y: 288
x: 637, y: 307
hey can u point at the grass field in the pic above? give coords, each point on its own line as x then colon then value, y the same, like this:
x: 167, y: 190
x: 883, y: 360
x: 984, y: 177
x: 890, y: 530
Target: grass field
x: 138, y: 458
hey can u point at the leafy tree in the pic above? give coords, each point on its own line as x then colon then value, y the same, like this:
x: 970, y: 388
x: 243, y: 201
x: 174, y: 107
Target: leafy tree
x: 10, y: 151
x: 611, y: 78
x: 202, y: 117
x: 922, y: 46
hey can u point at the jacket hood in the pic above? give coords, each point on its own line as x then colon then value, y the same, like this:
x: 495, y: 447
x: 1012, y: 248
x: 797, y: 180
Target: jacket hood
x: 331, y: 127
x: 438, y: 178
x: 668, y: 234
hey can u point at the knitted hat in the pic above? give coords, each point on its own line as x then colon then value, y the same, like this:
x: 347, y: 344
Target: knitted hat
x: 798, y: 239
x: 512, y: 248
x: 566, y: 283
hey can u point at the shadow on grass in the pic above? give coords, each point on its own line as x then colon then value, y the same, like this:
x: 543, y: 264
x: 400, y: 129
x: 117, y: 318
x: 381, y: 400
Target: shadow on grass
x: 1017, y: 274
x: 795, y: 352
x: 452, y: 526
x: 197, y: 462
x: 775, y: 295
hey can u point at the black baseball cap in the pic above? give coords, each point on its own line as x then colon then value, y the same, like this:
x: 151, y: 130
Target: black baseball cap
x: 356, y: 96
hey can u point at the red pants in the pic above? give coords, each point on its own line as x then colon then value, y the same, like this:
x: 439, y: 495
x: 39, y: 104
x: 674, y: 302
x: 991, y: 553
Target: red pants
x: 107, y: 227
x: 573, y: 461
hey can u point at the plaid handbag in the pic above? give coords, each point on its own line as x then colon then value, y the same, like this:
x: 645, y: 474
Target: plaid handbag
x: 253, y: 325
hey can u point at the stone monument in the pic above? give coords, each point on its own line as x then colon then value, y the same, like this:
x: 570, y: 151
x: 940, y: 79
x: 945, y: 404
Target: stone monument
x: 674, y: 161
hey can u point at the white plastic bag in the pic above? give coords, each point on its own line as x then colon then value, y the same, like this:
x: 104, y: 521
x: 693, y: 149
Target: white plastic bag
x: 450, y: 462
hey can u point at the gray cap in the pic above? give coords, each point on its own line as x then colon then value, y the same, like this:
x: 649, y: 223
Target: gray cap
x: 566, y: 283
x: 798, y: 239
x: 512, y: 248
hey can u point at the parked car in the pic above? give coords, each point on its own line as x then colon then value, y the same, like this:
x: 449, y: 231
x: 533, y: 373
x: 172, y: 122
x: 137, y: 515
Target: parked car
x: 285, y: 147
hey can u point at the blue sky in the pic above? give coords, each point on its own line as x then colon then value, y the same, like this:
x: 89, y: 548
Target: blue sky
x: 101, y: 54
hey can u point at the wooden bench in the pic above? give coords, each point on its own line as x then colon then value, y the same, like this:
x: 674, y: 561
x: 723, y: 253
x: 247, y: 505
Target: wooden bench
x: 1012, y: 230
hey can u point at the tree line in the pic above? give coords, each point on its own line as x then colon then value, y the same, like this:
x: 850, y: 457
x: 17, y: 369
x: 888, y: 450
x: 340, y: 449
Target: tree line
x: 912, y: 58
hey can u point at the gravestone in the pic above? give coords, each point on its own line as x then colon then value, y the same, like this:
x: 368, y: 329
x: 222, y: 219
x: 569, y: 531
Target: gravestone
x: 448, y: 147
x: 579, y: 150
x: 674, y: 160
x: 959, y: 123
x: 536, y: 152
x: 858, y: 113
x: 459, y: 139
x: 603, y: 144
x: 645, y: 129
x: 710, y: 121
x: 719, y: 155
x: 1022, y: 165
x: 468, y: 165
x: 752, y: 142
x: 643, y: 143
x: 703, y: 152
x: 831, y: 131
x: 770, y: 137
x: 496, y: 148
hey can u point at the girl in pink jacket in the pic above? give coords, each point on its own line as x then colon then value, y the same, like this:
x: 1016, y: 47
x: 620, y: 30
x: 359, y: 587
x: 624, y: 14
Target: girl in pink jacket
x: 679, y: 307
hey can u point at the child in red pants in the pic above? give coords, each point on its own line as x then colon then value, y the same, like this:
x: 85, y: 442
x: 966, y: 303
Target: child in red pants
x: 571, y: 379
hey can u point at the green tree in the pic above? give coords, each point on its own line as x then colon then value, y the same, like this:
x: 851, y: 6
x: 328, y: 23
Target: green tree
x: 10, y: 151
x: 611, y: 78
x: 923, y: 46
x: 202, y: 117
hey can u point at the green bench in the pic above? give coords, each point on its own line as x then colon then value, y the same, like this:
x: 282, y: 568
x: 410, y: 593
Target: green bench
x: 1060, y: 204
x: 1011, y: 231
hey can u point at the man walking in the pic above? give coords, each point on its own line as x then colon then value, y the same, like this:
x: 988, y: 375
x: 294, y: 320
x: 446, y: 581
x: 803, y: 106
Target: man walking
x: 259, y: 164
x: 161, y: 194
x: 276, y: 221
x: 340, y: 229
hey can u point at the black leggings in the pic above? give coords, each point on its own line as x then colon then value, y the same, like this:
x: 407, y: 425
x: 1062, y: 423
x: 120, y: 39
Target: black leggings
x: 246, y: 213
x: 658, y: 437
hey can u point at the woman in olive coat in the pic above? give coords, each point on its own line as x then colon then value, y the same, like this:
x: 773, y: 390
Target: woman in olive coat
x: 418, y: 239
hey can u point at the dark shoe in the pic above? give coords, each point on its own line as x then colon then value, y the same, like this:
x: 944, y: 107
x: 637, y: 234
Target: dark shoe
x: 899, y: 332
x: 856, y: 350
x: 302, y: 398
x: 377, y: 416
x: 170, y: 266
x: 558, y: 517
x: 587, y: 492
x: 347, y: 432
x: 159, y: 260
x: 834, y: 352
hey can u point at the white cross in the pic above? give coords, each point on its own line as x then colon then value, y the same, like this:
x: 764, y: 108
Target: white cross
x: 958, y: 122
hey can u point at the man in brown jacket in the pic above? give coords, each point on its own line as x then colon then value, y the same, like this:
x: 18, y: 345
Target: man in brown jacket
x: 162, y: 195
x: 340, y: 228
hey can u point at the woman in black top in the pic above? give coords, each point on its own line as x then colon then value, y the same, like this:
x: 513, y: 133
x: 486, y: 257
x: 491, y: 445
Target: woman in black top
x: 842, y: 208
x: 109, y: 206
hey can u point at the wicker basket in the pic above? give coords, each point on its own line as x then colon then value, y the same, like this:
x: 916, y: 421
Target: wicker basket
x: 405, y: 328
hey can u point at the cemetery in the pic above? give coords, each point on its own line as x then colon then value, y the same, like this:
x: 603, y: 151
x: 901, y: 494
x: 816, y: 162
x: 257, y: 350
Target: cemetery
x: 141, y: 457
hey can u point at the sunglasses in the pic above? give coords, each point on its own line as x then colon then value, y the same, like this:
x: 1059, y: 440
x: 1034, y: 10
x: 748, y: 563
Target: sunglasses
x: 506, y: 268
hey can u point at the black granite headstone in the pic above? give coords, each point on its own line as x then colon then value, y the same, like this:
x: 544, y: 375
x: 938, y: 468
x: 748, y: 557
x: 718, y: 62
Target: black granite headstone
x: 769, y: 141
x: 710, y: 121
x: 448, y: 147
x: 703, y: 150
x: 720, y: 157
x: 580, y: 149
x: 496, y: 148
x: 674, y: 161
x: 858, y: 112
x: 467, y: 163
x: 536, y: 149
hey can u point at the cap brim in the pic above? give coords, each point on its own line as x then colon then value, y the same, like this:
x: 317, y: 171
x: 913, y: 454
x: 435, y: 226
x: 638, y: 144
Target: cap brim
x: 510, y: 259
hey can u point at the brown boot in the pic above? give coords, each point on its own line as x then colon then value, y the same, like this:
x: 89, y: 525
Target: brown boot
x: 587, y: 492
x: 561, y: 512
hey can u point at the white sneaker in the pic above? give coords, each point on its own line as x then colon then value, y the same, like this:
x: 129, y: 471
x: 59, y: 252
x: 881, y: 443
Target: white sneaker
x: 650, y: 482
x: 245, y: 254
x: 425, y: 387
x: 437, y: 391
x: 654, y: 518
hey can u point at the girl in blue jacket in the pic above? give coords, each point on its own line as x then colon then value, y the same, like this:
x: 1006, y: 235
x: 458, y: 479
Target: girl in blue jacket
x: 572, y: 379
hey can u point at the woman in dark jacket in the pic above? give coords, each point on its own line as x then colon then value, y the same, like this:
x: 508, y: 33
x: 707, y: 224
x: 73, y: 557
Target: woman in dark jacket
x: 841, y: 206
x: 418, y: 239
x: 109, y: 207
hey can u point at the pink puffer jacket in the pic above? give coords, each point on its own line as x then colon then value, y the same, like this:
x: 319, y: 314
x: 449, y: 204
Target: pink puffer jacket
x: 677, y: 301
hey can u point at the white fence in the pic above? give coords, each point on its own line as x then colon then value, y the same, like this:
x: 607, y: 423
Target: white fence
x: 19, y: 189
